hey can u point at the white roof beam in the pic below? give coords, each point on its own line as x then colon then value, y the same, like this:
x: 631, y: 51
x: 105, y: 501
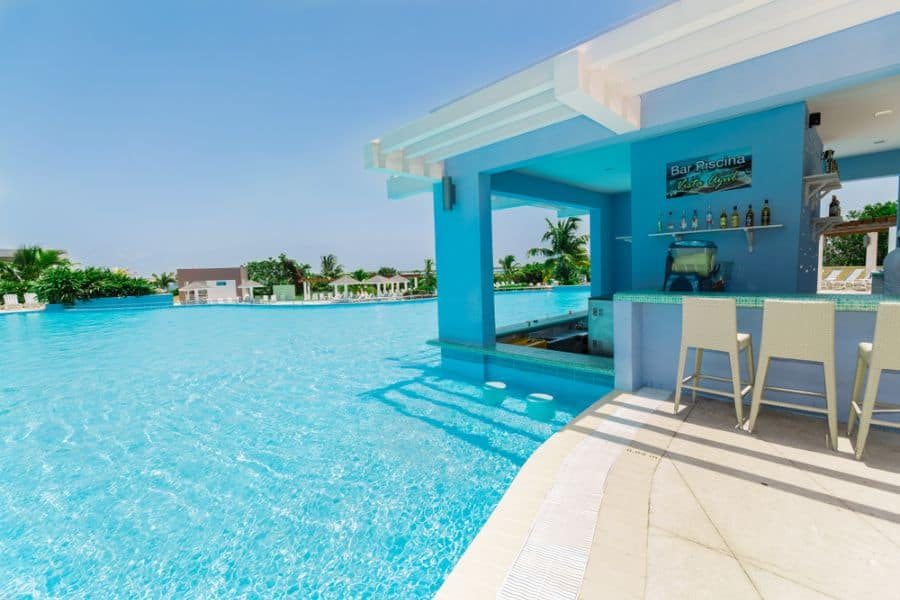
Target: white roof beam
x: 661, y: 27
x: 744, y: 38
x: 397, y: 162
x: 549, y: 117
x: 529, y: 107
x: 592, y: 93
x: 515, y: 88
x: 399, y: 187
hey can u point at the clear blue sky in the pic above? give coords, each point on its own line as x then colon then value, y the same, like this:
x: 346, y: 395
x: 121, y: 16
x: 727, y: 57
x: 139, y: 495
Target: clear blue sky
x: 169, y: 133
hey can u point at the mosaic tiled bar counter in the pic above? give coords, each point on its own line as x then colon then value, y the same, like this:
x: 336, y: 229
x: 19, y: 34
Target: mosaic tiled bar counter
x: 648, y: 333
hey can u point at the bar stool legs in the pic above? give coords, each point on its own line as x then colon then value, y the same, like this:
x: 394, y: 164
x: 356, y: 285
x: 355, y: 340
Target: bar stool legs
x: 883, y: 353
x: 867, y: 408
x: 711, y: 324
x: 799, y: 331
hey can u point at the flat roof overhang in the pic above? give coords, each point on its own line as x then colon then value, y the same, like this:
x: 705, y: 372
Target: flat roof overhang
x: 683, y: 64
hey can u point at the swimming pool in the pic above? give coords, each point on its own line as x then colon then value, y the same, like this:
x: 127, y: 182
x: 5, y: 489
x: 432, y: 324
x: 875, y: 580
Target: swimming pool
x: 223, y: 451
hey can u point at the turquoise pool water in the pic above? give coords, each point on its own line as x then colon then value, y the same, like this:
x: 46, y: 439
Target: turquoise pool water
x: 234, y: 451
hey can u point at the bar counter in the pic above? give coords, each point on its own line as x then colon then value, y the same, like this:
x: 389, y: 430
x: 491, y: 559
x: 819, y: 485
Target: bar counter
x: 648, y: 336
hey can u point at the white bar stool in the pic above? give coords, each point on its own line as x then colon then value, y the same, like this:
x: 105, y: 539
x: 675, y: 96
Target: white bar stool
x: 711, y: 324
x: 801, y: 331
x: 883, y: 354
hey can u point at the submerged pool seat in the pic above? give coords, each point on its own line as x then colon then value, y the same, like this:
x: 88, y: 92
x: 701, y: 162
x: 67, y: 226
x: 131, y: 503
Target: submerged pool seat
x: 711, y: 324
x: 802, y: 331
x: 883, y: 354
x: 690, y: 266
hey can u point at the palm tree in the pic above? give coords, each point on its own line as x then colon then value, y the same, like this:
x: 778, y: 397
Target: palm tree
x: 163, y: 280
x: 360, y: 274
x: 508, y: 264
x: 29, y: 262
x: 330, y: 267
x: 567, y: 253
x: 428, y: 283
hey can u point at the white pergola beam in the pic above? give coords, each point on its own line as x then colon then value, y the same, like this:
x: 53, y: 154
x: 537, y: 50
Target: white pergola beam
x: 666, y: 24
x: 743, y: 38
x: 554, y: 115
x: 592, y: 93
x: 400, y: 187
x: 529, y: 107
x: 515, y: 88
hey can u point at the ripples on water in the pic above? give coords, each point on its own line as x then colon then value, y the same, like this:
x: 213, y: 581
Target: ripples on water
x: 229, y: 451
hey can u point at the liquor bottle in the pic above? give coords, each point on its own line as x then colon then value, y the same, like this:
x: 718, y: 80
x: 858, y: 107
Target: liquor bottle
x: 683, y: 221
x: 735, y: 217
x: 834, y: 209
x: 766, y: 216
x: 695, y: 221
x: 723, y: 219
x: 670, y: 226
x: 749, y: 218
x: 709, y: 217
x: 659, y: 223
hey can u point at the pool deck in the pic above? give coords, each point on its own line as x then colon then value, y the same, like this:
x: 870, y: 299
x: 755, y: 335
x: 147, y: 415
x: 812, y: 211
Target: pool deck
x: 632, y: 501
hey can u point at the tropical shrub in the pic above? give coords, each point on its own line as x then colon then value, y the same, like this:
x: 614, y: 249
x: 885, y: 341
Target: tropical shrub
x: 847, y: 250
x: 277, y: 271
x: 64, y: 285
x: 531, y: 273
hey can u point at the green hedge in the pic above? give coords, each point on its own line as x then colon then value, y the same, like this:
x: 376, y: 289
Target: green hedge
x: 62, y: 285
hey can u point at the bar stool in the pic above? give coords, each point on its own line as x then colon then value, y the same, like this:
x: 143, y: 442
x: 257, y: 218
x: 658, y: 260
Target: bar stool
x: 711, y: 324
x: 801, y: 331
x: 883, y: 354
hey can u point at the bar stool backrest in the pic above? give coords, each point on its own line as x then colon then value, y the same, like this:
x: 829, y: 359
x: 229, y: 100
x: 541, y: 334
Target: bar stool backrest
x: 886, y: 345
x: 709, y: 323
x: 799, y: 330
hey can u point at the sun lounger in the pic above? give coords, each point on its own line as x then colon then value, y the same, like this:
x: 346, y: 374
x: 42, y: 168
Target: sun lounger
x: 843, y: 285
x: 11, y: 301
x: 828, y: 282
x: 31, y: 299
x: 862, y: 285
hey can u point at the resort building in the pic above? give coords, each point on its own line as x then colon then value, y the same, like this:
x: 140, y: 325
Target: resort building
x: 213, y: 284
x: 659, y: 130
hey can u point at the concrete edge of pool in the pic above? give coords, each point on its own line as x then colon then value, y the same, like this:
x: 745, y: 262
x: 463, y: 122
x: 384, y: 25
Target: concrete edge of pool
x: 557, y: 495
x: 632, y: 501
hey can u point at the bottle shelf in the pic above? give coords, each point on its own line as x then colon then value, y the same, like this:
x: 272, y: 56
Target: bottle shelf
x: 815, y: 187
x: 748, y: 231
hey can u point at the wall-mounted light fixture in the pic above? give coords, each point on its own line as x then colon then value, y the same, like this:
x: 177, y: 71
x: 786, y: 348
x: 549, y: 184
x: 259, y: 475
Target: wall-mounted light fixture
x: 449, y: 192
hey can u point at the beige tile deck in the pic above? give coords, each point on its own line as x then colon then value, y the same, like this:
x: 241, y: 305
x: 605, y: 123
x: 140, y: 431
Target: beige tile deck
x: 694, y: 508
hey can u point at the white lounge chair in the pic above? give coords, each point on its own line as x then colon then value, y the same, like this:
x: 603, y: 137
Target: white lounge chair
x: 11, y: 301
x: 31, y: 299
x: 863, y: 285
x: 828, y: 282
x: 843, y: 285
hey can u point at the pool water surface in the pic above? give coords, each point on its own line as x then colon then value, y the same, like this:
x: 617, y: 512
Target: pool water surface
x: 244, y: 451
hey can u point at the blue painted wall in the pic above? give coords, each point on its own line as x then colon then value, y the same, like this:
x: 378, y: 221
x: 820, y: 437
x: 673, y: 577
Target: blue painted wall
x: 621, y: 204
x: 127, y: 303
x: 464, y: 259
x: 777, y: 140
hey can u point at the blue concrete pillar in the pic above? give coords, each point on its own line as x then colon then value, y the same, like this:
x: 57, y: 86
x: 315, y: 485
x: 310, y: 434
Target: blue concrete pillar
x: 464, y: 257
x: 602, y: 238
